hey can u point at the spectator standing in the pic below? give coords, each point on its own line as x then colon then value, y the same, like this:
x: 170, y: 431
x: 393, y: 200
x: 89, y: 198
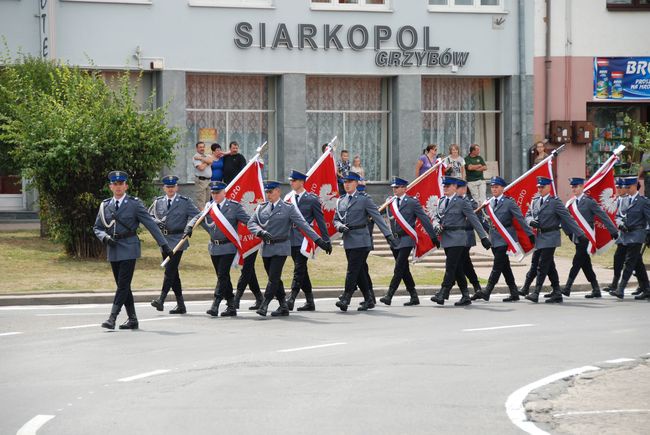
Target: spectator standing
x: 426, y: 160
x: 540, y: 153
x: 343, y: 167
x: 233, y: 163
x: 454, y: 164
x: 217, y: 162
x: 202, y: 174
x: 474, y: 167
x: 356, y: 167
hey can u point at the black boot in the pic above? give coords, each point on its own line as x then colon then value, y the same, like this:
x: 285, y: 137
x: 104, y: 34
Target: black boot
x: 446, y: 292
x: 439, y: 298
x: 415, y: 300
x: 613, y: 286
x: 556, y: 296
x: 292, y: 298
x: 180, y: 305
x: 534, y: 295
x: 620, y: 293
x: 283, y: 309
x: 526, y: 288
x: 566, y: 291
x: 264, y: 306
x: 214, y: 309
x: 309, y: 304
x: 132, y: 321
x: 344, y: 301
x: 595, y: 291
x: 238, y: 296
x: 258, y: 299
x: 464, y: 300
x: 388, y: 297
x: 477, y: 288
x: 514, y: 294
x: 110, y: 322
x: 484, y: 294
x: 230, y: 310
x: 645, y: 292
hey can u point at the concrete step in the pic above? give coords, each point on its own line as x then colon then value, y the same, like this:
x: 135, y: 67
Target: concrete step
x: 18, y: 215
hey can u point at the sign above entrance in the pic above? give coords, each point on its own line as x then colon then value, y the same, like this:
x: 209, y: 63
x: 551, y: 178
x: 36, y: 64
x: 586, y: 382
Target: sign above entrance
x: 414, y: 48
x: 622, y: 78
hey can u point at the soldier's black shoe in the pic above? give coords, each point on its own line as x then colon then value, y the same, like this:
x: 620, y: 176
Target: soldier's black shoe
x: 638, y: 291
x: 178, y: 309
x: 642, y: 296
x: 365, y: 306
x: 413, y: 301
x: 290, y: 304
x: 256, y: 305
x: 280, y: 311
x: 309, y: 306
x: 533, y: 297
x: 556, y: 298
x: 230, y: 311
x: 438, y: 298
x: 264, y: 306
x: 158, y: 304
x: 548, y: 295
x: 131, y: 323
x: 480, y: 295
x: 566, y: 291
x: 342, y: 304
x: 593, y: 295
x: 463, y: 301
x: 512, y: 298
x: 616, y: 294
x: 109, y: 323
x: 524, y: 291
x: 214, y: 309
x: 385, y: 300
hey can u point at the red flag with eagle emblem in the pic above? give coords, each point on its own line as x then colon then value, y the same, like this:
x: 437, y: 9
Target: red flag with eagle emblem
x: 601, y: 187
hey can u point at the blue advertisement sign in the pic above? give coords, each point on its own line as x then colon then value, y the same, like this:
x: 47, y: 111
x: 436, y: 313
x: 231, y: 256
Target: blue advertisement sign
x: 622, y: 78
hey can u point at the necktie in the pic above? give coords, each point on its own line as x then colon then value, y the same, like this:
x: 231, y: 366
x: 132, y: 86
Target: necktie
x: 495, y: 202
x: 398, y: 201
x: 117, y: 205
x: 297, y: 198
x: 169, y: 204
x: 272, y: 206
x: 219, y: 206
x: 445, y: 202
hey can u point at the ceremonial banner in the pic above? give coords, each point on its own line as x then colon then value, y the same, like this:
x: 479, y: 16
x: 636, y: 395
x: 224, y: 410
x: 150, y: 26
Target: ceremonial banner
x: 228, y: 230
x: 602, y: 188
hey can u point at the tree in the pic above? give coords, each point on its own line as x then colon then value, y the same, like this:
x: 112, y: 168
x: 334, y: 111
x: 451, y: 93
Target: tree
x: 66, y: 135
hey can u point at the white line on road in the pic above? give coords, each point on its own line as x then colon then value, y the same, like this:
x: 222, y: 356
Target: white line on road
x: 523, y: 325
x: 34, y: 424
x: 606, y: 411
x: 143, y: 375
x: 515, y: 403
x: 90, y: 325
x: 6, y: 334
x: 618, y: 360
x: 69, y: 314
x: 311, y: 347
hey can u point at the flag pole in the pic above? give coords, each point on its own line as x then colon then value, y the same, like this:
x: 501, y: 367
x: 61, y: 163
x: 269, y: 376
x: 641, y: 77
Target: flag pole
x: 414, y: 182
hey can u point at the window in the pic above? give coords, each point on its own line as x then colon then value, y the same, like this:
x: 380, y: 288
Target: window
x: 351, y: 5
x: 355, y: 110
x: 461, y: 111
x: 626, y: 5
x: 232, y: 3
x: 224, y: 108
x: 488, y: 6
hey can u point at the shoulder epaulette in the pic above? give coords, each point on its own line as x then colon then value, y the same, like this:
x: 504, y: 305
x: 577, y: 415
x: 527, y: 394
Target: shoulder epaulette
x: 107, y: 200
x: 183, y: 197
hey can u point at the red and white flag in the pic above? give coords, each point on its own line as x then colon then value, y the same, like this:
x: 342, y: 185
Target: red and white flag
x: 228, y: 230
x: 248, y: 189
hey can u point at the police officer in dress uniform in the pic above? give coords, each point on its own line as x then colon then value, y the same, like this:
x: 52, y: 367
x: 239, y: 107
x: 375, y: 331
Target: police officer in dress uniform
x: 351, y: 220
x: 634, y: 232
x: 589, y: 209
x: 171, y: 213
x: 310, y: 208
x: 410, y: 209
x: 468, y: 266
x: 361, y: 190
x: 272, y: 222
x: 452, y: 215
x: 545, y: 214
x: 117, y: 221
x: 221, y: 248
x: 506, y: 211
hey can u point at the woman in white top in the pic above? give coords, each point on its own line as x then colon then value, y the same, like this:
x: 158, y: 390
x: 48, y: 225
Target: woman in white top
x: 454, y: 164
x: 356, y: 167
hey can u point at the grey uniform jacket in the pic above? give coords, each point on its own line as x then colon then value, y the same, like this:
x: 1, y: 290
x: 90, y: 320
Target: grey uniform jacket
x: 454, y: 218
x: 471, y: 236
x: 172, y: 222
x: 621, y: 203
x: 278, y: 223
x: 550, y: 215
x: 589, y: 209
x: 131, y: 214
x: 353, y: 211
x: 411, y: 209
x: 636, y: 217
x: 310, y: 208
x: 506, y: 210
x: 234, y: 213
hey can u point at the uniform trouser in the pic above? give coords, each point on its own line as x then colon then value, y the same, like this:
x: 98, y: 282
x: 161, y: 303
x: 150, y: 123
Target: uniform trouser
x: 401, y: 272
x: 501, y: 265
x: 222, y: 264
x: 532, y: 272
x: 356, y: 274
x: 546, y: 267
x: 300, y: 272
x: 468, y: 268
x: 123, y: 274
x: 582, y: 260
x: 619, y: 259
x: 172, y: 279
x: 273, y: 266
x: 248, y: 276
x: 454, y: 270
x: 634, y: 262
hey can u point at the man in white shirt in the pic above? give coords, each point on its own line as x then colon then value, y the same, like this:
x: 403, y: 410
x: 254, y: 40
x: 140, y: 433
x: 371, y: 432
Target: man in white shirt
x: 202, y: 174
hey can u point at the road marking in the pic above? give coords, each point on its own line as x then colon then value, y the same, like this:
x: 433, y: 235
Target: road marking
x: 523, y: 325
x: 311, y: 347
x: 48, y: 307
x: 34, y: 424
x: 69, y: 314
x: 515, y: 403
x: 618, y: 360
x: 6, y: 334
x: 606, y: 411
x: 90, y: 325
x: 143, y: 375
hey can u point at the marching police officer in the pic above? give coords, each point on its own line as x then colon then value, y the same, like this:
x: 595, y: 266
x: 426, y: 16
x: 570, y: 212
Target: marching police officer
x: 171, y: 212
x: 361, y: 190
x: 409, y: 209
x: 351, y: 220
x: 505, y: 209
x: 452, y: 215
x: 117, y: 221
x: 634, y: 232
x: 619, y: 254
x: 545, y: 214
x: 272, y: 222
x: 468, y: 266
x: 310, y: 208
x: 589, y: 209
x: 222, y: 246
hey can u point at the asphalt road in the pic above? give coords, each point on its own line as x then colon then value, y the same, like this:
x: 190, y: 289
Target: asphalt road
x: 425, y: 369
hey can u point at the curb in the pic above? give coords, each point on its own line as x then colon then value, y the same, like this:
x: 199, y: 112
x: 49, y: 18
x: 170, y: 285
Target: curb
x: 90, y: 297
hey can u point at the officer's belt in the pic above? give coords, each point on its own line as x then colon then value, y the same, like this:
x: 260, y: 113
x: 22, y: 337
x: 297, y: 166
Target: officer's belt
x: 469, y: 227
x: 357, y: 227
x: 167, y: 232
x: 274, y: 241
x: 449, y: 228
x: 220, y: 242
x: 548, y: 229
x: 124, y: 235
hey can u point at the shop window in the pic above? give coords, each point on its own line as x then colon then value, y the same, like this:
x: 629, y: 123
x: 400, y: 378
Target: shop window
x: 462, y: 111
x: 355, y: 110
x: 232, y: 3
x: 626, y: 5
x: 224, y: 108
x: 351, y: 5
x: 488, y: 6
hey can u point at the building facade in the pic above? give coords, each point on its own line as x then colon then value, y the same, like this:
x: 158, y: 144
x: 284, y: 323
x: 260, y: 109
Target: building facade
x: 387, y: 77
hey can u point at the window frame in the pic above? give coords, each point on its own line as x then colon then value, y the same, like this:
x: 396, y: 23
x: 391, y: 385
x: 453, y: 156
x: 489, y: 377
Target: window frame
x: 362, y: 6
x: 635, y: 6
x: 475, y: 8
x: 245, y: 4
